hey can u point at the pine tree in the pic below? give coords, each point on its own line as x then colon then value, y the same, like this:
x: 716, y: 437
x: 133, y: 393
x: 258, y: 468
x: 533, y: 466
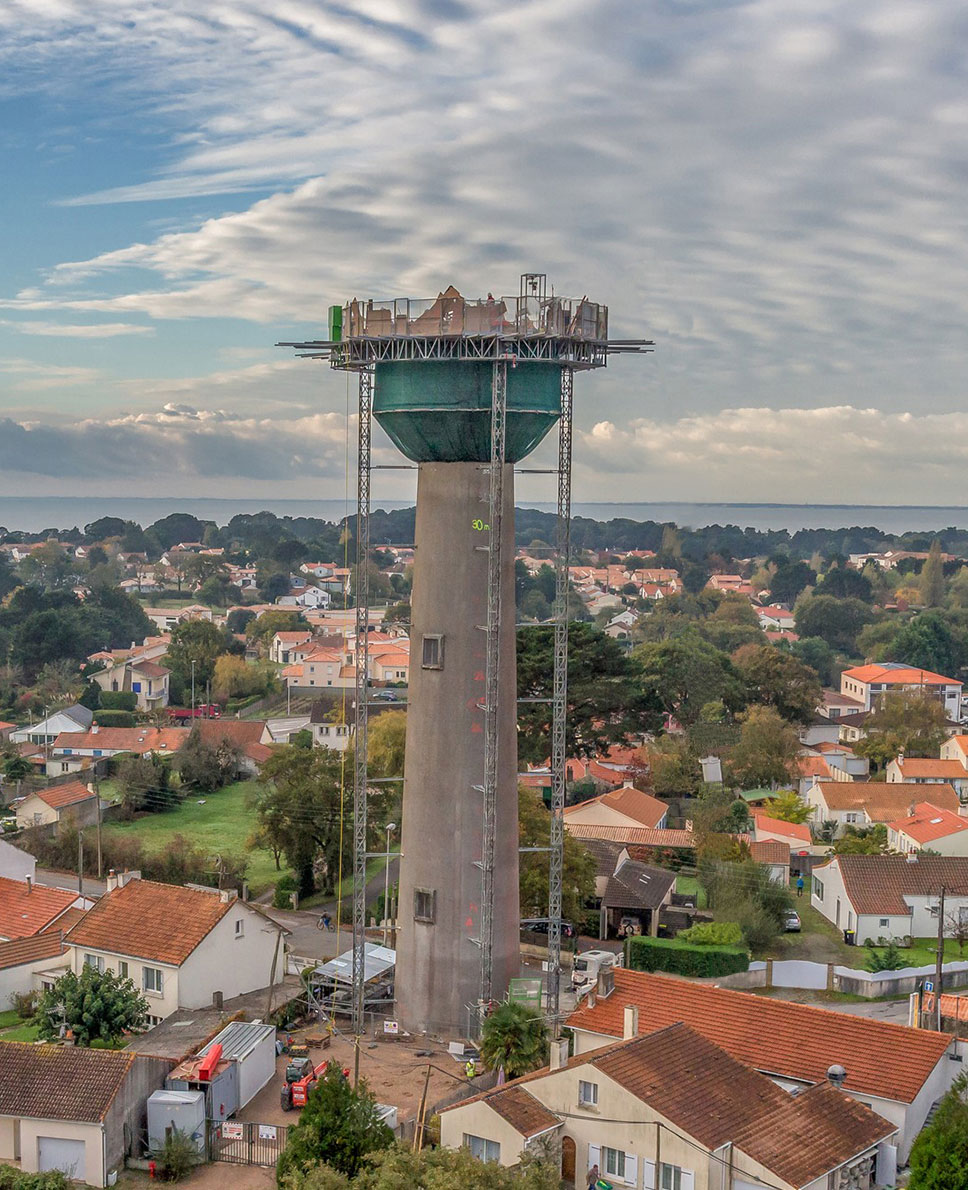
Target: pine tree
x: 932, y: 577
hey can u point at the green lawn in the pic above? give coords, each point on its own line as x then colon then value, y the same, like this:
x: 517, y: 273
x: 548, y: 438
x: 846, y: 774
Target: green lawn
x: 921, y: 953
x: 224, y: 823
x: 688, y: 886
x: 12, y: 1028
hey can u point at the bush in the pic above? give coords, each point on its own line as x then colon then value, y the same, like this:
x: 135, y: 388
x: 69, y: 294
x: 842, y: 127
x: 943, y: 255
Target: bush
x: 16, y: 1179
x: 177, y: 1156
x: 24, y: 1004
x: 285, y: 886
x: 118, y: 700
x: 679, y: 958
x: 712, y: 933
x: 115, y: 719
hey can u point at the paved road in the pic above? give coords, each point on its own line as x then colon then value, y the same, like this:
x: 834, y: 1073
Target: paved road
x: 68, y: 880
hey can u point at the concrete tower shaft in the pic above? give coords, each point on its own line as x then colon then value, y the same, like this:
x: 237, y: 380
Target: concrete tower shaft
x: 439, y: 918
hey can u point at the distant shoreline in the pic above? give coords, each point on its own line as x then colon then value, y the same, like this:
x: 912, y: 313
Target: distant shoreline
x: 33, y: 514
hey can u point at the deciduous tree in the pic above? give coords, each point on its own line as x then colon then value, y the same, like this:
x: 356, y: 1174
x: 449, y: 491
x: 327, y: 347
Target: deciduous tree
x: 767, y: 750
x: 903, y: 721
x: 578, y: 871
x: 779, y: 680
x: 95, y: 1006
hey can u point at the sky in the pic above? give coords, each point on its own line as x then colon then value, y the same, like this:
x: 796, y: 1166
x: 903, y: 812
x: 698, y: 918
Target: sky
x: 773, y: 191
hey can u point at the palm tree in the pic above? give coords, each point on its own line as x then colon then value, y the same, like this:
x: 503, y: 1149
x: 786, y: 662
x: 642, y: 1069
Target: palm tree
x: 514, y: 1037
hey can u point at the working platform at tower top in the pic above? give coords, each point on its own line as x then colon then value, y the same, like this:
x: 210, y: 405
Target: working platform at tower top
x: 531, y: 326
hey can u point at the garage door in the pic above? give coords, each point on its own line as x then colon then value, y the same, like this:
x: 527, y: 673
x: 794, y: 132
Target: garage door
x: 55, y: 1152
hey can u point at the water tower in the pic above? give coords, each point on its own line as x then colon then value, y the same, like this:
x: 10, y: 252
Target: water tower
x: 466, y: 389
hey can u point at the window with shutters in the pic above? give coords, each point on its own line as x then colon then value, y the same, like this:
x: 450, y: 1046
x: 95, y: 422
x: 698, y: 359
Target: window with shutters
x: 671, y: 1178
x: 424, y: 904
x: 613, y: 1162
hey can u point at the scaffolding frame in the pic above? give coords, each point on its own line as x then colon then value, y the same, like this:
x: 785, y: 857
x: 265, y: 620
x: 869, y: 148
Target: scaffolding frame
x: 492, y: 669
x: 559, y: 709
x: 362, y: 658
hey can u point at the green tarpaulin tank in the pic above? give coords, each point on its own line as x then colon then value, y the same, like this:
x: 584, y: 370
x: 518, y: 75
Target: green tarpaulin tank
x: 440, y: 412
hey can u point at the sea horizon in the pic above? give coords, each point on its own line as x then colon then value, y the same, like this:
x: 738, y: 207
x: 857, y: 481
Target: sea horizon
x: 34, y: 514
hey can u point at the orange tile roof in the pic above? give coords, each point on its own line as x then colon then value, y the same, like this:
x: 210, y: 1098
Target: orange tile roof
x: 24, y: 911
x: 641, y: 835
x: 522, y: 1111
x: 883, y: 801
x: 770, y: 851
x: 877, y: 884
x: 813, y: 766
x: 30, y: 950
x: 70, y: 794
x: 796, y: 1041
x: 125, y: 739
x: 917, y: 766
x: 929, y: 822
x: 56, y: 1082
x: 148, y: 920
x: 792, y: 830
x: 907, y: 675
x: 633, y: 803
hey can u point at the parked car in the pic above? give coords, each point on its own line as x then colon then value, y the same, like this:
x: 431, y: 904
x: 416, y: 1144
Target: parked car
x: 385, y: 696
x: 541, y: 927
x: 791, y: 922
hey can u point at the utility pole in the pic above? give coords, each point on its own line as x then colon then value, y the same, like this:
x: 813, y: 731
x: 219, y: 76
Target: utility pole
x: 80, y: 863
x: 97, y: 798
x: 193, y: 687
x: 939, y: 960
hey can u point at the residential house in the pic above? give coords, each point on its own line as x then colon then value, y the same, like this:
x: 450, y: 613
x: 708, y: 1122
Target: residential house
x: 633, y: 897
x: 147, y: 680
x: 72, y: 718
x: 318, y: 569
x: 626, y: 806
x: 283, y: 644
x: 27, y: 908
x: 796, y: 835
x: 836, y: 705
x: 306, y: 596
x: 24, y: 960
x: 620, y: 626
x: 179, y: 945
x: 327, y: 732
x: 774, y: 856
x: 862, y: 803
x: 76, y: 752
x: 899, y: 1073
x: 72, y: 804
x: 6, y: 729
x: 672, y: 1110
x: 929, y: 826
x: 916, y: 770
x: 244, y: 736
x: 841, y: 759
x: 955, y: 747
x: 890, y: 896
x: 74, y: 1109
x: 775, y: 618
x: 867, y: 683
x: 389, y: 662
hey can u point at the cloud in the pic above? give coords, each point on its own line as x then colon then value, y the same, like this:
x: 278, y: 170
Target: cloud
x: 832, y: 455
x: 772, y: 189
x: 31, y: 376
x: 101, y: 330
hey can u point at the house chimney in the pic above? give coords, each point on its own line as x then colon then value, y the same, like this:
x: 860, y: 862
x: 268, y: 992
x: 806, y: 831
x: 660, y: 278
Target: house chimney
x: 30, y: 884
x: 606, y: 982
x: 559, y: 1053
x: 592, y: 1000
x: 112, y: 880
x: 630, y: 1022
x: 912, y: 857
x: 94, y: 727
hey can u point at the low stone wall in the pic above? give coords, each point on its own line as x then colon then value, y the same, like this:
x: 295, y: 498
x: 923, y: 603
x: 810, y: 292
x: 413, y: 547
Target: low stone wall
x: 896, y: 983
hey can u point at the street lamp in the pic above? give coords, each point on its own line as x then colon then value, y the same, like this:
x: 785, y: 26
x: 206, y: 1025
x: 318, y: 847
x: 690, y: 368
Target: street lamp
x: 391, y: 827
x: 193, y: 688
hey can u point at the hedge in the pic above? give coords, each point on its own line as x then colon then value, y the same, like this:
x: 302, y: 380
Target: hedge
x: 712, y: 933
x: 679, y: 958
x: 115, y: 719
x: 118, y: 700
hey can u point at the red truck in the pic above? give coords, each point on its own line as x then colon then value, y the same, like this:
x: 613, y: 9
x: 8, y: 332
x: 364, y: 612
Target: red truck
x: 208, y: 710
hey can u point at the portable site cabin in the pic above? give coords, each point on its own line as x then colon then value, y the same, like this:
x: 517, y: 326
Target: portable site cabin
x: 184, y: 1110
x: 231, y: 1069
